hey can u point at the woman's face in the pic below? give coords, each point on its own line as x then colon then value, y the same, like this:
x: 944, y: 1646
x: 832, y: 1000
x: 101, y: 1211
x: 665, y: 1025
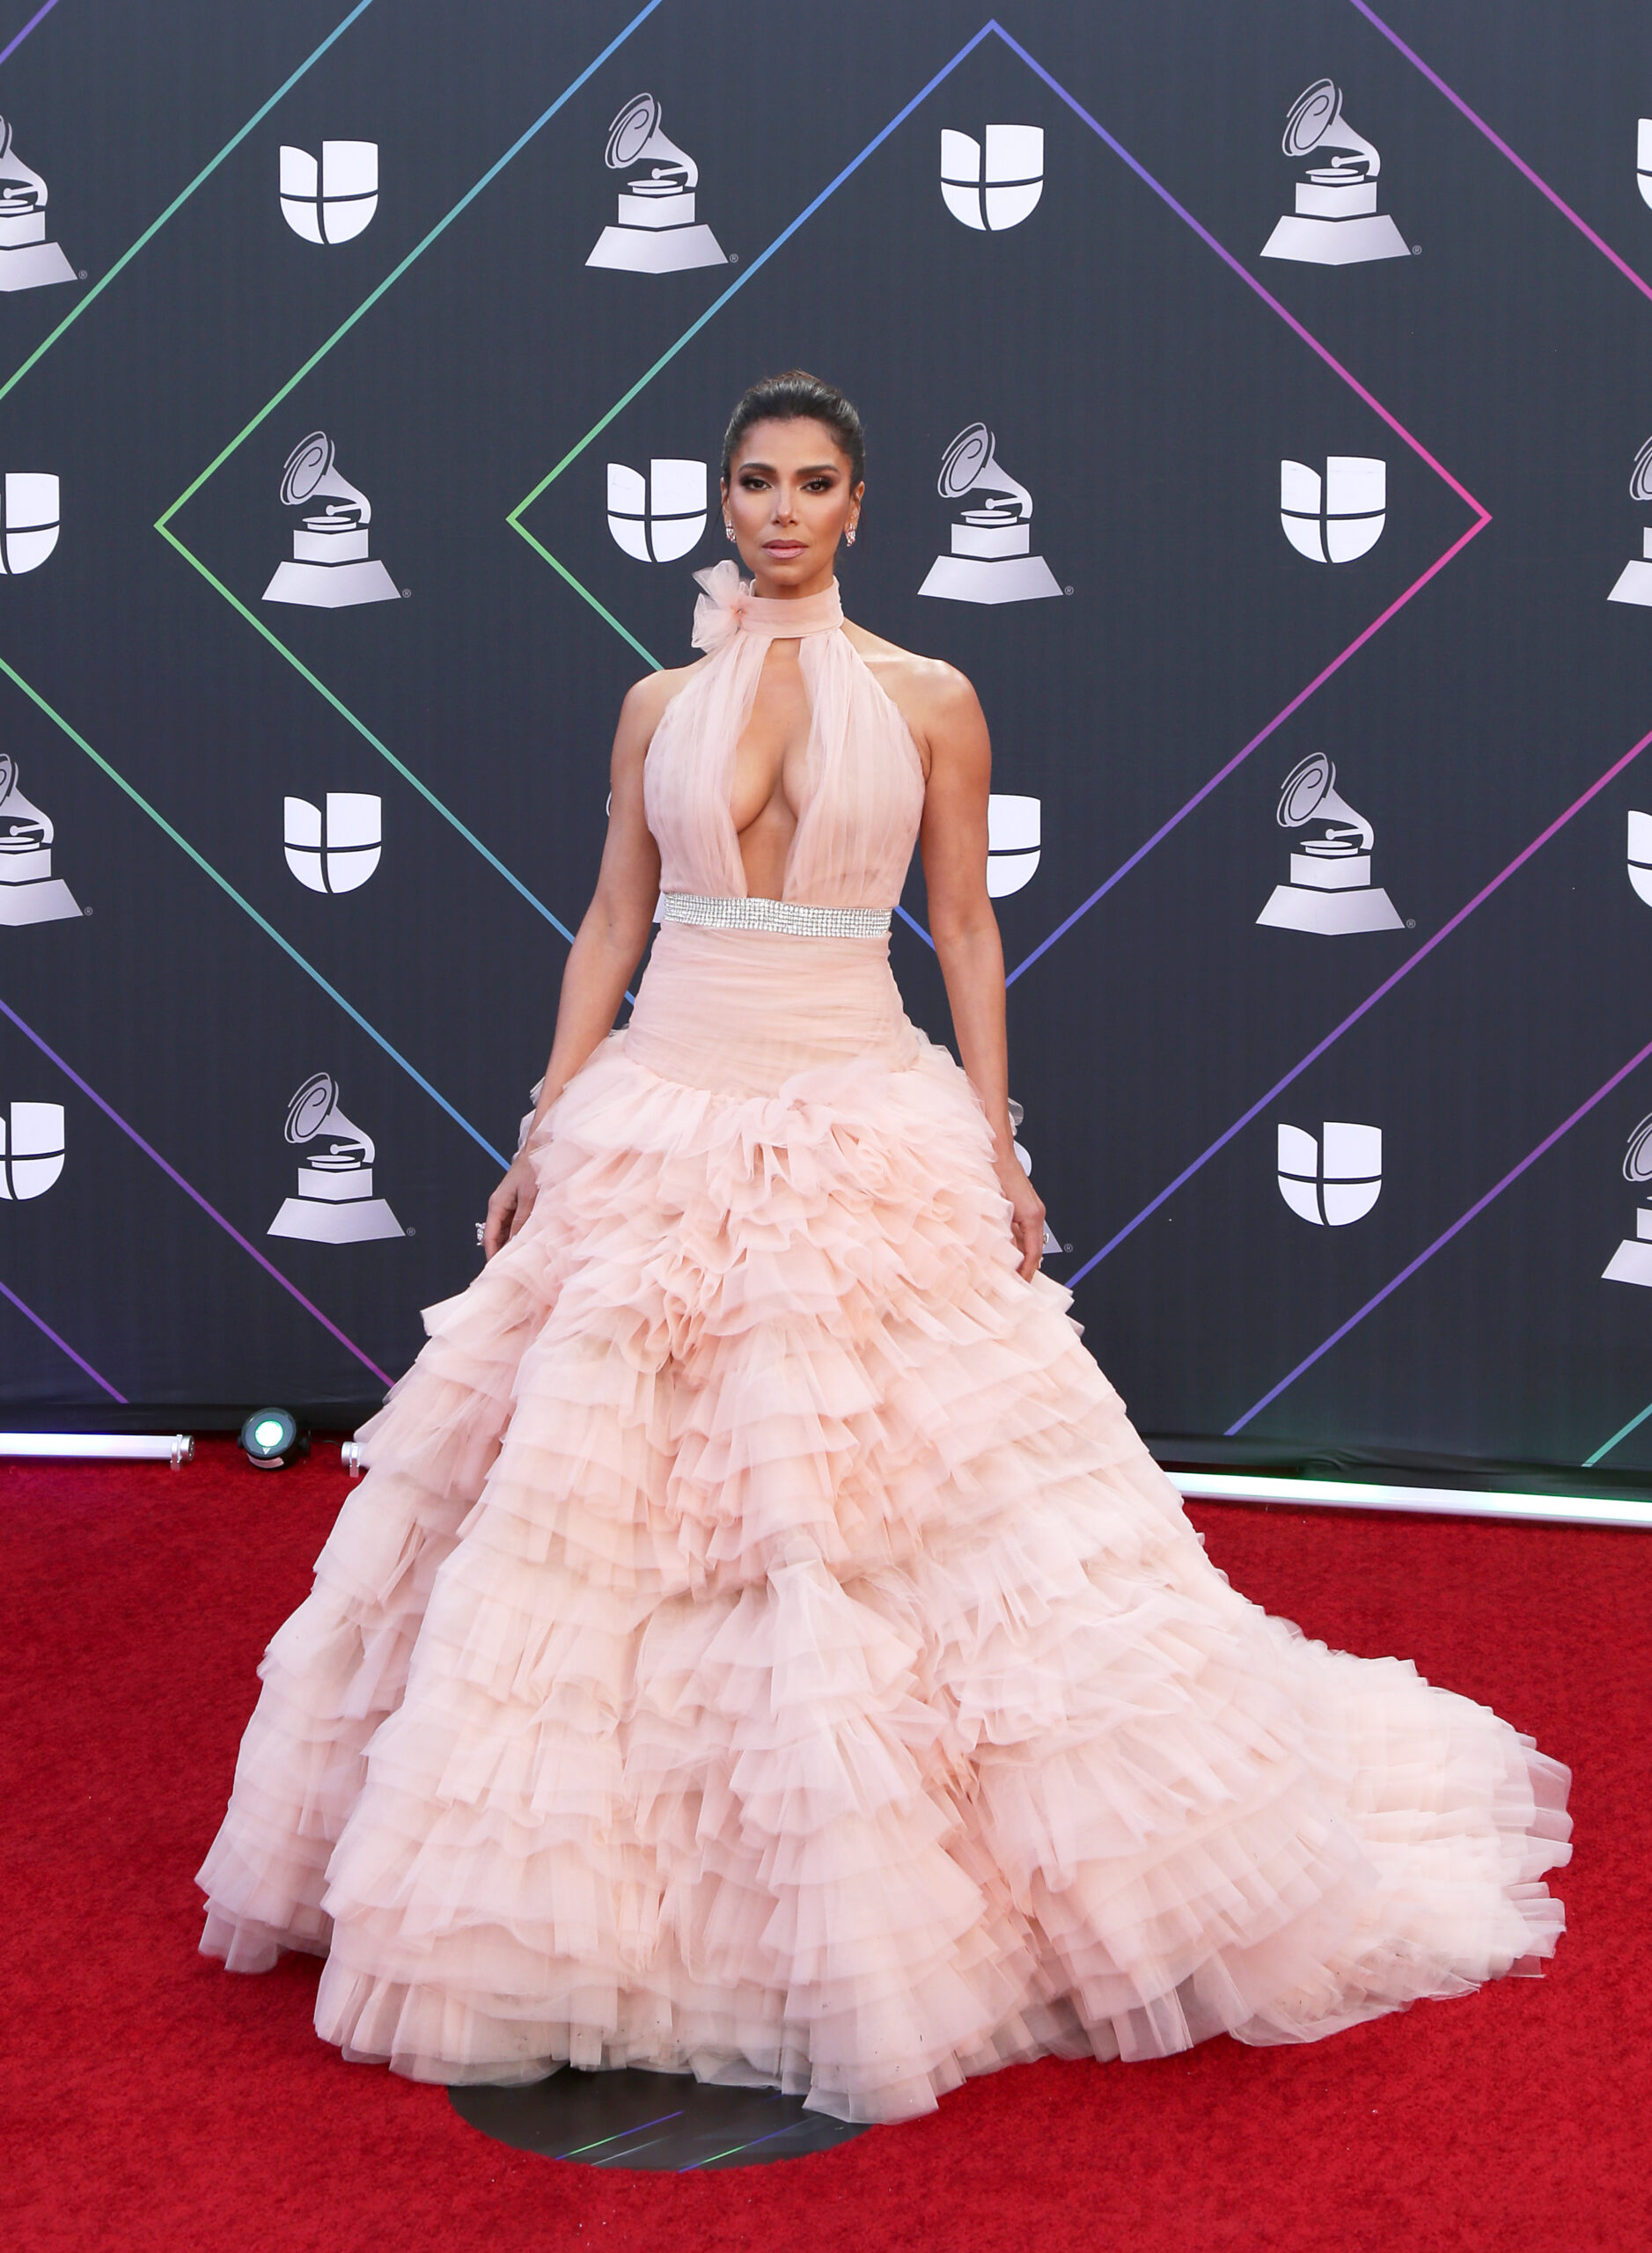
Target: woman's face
x: 790, y: 500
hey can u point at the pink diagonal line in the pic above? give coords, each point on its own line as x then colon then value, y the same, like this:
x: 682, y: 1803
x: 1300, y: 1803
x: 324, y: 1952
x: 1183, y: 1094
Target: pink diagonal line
x: 1249, y: 279
x: 189, y: 1190
x: 1239, y: 757
x: 1482, y: 515
x: 61, y: 1344
x: 6, y: 51
x: 1502, y: 148
x: 1363, y: 1009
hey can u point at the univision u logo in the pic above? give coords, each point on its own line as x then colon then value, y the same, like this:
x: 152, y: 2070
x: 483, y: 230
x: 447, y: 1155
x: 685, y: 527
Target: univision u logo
x: 661, y: 517
x: 335, y: 200
x: 1337, y: 518
x: 1013, y: 842
x: 28, y: 520
x: 336, y: 851
x: 31, y: 1150
x: 1334, y: 1181
x: 995, y: 189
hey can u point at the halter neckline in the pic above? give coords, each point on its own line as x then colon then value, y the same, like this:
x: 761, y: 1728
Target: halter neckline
x: 729, y: 607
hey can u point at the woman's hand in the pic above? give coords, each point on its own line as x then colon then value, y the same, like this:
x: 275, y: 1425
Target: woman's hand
x: 508, y: 1207
x: 1026, y: 1221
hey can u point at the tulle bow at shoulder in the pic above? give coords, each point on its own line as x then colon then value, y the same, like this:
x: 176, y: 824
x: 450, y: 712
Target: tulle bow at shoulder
x: 724, y: 603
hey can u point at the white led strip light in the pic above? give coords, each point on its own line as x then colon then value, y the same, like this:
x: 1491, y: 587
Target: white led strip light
x: 107, y: 1447
x: 1434, y: 1501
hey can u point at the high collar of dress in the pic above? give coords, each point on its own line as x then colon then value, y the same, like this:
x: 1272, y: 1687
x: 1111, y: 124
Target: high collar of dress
x: 728, y: 607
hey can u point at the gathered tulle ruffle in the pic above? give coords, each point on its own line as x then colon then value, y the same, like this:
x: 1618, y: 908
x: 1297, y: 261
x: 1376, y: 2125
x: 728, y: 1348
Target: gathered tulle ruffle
x: 761, y: 1646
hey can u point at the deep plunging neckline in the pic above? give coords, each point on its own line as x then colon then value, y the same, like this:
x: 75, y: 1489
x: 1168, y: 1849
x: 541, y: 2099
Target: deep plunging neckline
x: 817, y: 780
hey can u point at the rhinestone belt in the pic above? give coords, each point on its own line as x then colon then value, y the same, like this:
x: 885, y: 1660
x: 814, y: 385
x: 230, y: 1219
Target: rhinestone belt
x: 788, y: 915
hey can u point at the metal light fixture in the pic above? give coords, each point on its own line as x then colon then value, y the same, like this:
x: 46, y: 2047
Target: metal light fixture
x: 271, y: 1438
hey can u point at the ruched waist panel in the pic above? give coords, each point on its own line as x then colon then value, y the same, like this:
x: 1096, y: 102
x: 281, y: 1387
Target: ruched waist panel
x: 742, y: 1012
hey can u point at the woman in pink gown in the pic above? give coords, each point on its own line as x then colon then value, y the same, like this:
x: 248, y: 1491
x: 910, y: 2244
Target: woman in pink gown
x: 760, y: 1645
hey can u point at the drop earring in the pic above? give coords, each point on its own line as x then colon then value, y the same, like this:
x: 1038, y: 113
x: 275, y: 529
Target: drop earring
x: 728, y: 529
x: 849, y: 535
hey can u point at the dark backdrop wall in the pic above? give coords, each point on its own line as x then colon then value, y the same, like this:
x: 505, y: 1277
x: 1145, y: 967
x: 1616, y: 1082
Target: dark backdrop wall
x: 1332, y: 1088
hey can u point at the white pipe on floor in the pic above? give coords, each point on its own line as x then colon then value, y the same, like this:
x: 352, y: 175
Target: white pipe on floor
x: 101, y: 1447
x: 1435, y: 1501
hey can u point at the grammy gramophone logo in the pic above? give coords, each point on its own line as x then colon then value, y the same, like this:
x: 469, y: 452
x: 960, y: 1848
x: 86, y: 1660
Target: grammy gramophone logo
x: 335, y: 846
x: 1329, y: 888
x: 991, y: 558
x: 656, y: 231
x: 29, y: 508
x: 332, y: 200
x: 1336, y: 222
x: 27, y: 260
x: 1643, y: 157
x: 1634, y: 583
x: 1014, y: 842
x: 330, y: 566
x: 335, y: 1202
x: 660, y: 516
x: 1337, y: 518
x: 994, y: 188
x: 1632, y: 1262
x: 1333, y: 1180
x: 31, y: 1150
x: 29, y: 893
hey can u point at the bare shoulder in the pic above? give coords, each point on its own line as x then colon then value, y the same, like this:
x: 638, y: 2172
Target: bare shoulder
x: 646, y: 702
x: 934, y: 697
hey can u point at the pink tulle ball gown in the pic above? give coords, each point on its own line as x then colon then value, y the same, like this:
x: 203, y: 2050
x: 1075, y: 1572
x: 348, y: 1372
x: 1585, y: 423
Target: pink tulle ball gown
x: 760, y: 1645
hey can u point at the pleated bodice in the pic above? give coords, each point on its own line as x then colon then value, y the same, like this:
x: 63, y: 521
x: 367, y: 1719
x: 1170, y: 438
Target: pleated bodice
x: 863, y: 779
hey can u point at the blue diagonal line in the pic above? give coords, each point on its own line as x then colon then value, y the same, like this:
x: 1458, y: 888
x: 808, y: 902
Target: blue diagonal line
x: 247, y: 908
x: 1443, y: 1238
x: 183, y: 195
x: 164, y: 522
x: 418, y: 251
x: 740, y: 279
x: 1354, y: 1015
x: 61, y: 1344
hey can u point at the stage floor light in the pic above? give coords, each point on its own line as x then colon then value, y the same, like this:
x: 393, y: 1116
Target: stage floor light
x: 271, y: 1438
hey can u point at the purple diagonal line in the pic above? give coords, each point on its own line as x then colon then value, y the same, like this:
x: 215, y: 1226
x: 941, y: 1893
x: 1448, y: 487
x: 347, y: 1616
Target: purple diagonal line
x: 1502, y: 148
x: 1482, y: 515
x: 1368, y: 1004
x: 61, y: 1344
x: 1456, y: 1228
x: 6, y: 51
x: 189, y: 1190
x: 1239, y: 757
x: 1249, y: 280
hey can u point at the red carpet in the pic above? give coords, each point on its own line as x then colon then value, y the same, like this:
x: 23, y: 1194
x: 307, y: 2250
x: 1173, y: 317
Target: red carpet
x: 154, y: 2102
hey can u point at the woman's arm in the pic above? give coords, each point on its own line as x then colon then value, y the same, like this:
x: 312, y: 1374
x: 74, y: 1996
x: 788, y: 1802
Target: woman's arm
x: 606, y: 948
x: 953, y: 839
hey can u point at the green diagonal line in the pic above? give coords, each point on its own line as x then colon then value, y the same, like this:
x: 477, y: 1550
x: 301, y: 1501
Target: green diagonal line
x: 1633, y: 1425
x: 182, y: 198
x: 247, y: 908
x: 710, y: 314
x: 601, y: 609
x: 418, y: 251
x: 365, y: 732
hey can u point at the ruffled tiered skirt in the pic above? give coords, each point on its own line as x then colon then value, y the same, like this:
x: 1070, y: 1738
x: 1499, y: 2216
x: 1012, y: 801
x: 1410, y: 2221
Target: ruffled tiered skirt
x: 761, y: 1646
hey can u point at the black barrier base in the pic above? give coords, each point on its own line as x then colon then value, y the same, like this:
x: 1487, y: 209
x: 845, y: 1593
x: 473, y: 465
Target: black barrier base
x: 666, y: 2123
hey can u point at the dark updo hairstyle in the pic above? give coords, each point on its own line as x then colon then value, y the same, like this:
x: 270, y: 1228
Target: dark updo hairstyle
x: 798, y: 397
